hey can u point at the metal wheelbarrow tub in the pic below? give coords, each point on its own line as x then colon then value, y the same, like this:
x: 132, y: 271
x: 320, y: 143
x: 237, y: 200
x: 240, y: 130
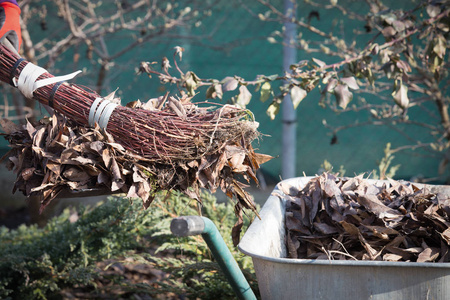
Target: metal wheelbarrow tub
x: 283, y: 278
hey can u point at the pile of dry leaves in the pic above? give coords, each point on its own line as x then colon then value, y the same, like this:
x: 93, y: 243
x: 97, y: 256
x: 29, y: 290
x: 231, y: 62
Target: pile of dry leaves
x: 55, y: 155
x: 357, y: 219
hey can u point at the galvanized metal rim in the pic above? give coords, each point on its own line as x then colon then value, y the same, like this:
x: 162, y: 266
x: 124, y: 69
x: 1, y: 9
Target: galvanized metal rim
x: 355, y: 263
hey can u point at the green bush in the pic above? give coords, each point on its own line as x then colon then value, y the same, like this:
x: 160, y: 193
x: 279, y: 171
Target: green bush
x: 39, y: 263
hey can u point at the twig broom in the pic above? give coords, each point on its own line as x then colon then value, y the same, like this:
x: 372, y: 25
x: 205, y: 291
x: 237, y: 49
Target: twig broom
x: 156, y: 135
x: 167, y: 136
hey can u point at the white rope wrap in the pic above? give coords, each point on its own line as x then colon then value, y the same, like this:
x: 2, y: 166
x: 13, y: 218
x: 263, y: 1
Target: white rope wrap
x: 92, y: 111
x: 104, y: 118
x: 100, y: 112
x: 27, y: 83
x: 47, y: 81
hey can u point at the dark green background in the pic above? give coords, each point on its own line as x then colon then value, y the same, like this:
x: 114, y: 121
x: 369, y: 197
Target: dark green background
x: 358, y: 149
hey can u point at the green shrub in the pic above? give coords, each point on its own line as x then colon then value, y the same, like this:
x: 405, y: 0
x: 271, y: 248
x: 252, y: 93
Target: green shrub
x: 39, y: 263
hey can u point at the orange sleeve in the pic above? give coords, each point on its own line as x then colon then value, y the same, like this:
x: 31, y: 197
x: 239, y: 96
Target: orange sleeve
x: 12, y: 20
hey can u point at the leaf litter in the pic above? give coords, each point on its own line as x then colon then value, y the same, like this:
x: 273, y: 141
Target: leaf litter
x: 55, y: 156
x: 339, y: 218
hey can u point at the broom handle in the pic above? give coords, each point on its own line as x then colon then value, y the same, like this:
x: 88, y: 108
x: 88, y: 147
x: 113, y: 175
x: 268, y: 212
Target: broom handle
x: 8, y: 44
x: 12, y: 66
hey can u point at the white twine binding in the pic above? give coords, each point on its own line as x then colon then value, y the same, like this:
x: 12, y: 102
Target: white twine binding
x: 100, y: 112
x: 27, y: 83
x: 92, y: 111
x: 104, y: 118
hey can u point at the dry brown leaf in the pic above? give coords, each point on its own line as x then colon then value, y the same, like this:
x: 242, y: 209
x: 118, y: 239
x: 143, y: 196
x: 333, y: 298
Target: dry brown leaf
x: 143, y: 190
x: 292, y: 245
x: 381, y: 232
x: 373, y: 253
x: 325, y: 228
x: 132, y: 191
x: 9, y: 126
x: 236, y: 159
x: 117, y: 147
x: 392, y: 222
x: 262, y: 158
x: 67, y: 155
x: 28, y: 173
x: 30, y: 128
x: 446, y: 235
x: 294, y: 224
x: 236, y: 231
x: 374, y: 205
x: 97, y: 146
x: 350, y: 228
x: 429, y: 254
x: 392, y: 257
x: 38, y: 137
x: 84, y: 160
x: 75, y: 174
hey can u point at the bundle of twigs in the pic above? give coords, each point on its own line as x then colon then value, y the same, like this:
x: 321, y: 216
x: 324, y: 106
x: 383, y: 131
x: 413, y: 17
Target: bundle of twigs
x: 154, y: 134
x: 164, y: 144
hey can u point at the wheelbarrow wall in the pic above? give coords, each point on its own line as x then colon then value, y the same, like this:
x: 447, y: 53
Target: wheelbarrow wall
x: 283, y: 278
